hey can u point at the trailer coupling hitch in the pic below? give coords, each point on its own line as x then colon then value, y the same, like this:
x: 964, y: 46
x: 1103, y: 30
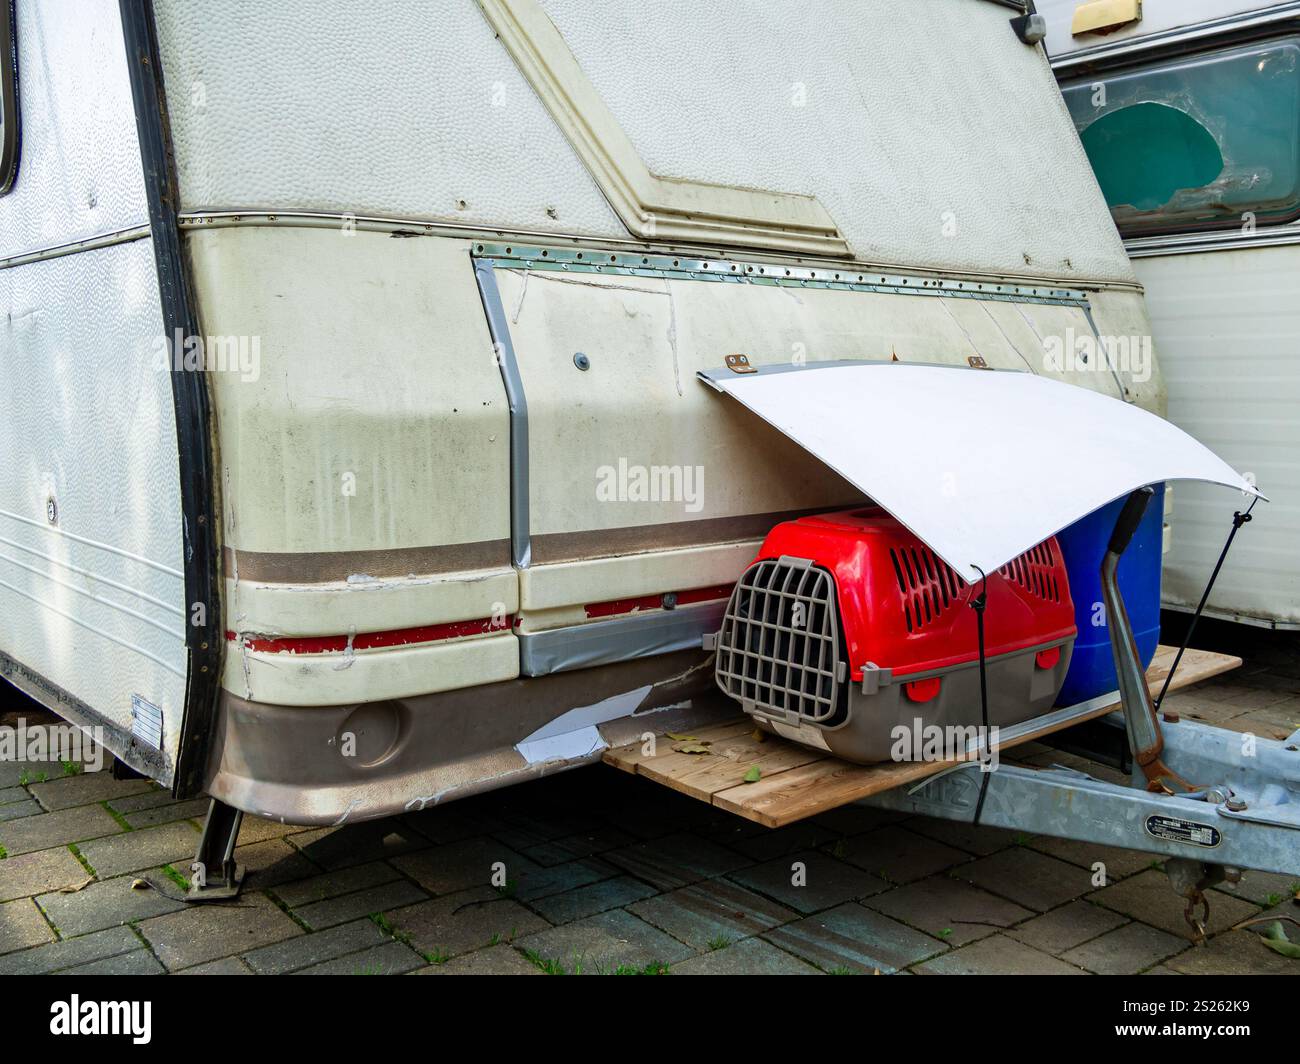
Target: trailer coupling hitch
x: 1190, y: 880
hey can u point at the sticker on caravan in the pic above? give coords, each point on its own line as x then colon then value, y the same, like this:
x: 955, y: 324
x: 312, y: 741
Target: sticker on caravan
x: 1173, y: 829
x: 146, y: 722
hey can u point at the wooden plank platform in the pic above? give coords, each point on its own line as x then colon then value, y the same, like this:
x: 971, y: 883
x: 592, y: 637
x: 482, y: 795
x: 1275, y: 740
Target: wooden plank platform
x: 797, y: 781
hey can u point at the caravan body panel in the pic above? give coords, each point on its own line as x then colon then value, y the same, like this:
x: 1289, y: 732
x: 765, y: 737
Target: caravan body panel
x: 92, y: 594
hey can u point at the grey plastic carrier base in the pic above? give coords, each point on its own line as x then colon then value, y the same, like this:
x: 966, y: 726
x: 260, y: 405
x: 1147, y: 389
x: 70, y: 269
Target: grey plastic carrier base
x: 888, y: 726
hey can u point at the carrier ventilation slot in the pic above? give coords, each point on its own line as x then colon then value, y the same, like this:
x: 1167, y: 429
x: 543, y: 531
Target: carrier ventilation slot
x: 1035, y: 571
x: 779, y: 647
x: 927, y: 584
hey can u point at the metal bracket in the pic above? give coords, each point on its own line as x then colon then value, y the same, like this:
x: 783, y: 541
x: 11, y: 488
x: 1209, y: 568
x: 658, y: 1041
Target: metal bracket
x: 214, y: 875
x: 499, y: 328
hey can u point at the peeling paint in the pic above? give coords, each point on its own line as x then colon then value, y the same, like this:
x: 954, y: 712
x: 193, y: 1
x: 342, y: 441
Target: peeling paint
x: 349, y: 653
x: 621, y: 705
x: 580, y: 743
x: 672, y: 333
x: 347, y: 811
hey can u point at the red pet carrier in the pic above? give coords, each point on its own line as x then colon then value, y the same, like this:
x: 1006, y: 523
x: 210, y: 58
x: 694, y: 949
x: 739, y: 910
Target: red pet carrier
x: 849, y: 634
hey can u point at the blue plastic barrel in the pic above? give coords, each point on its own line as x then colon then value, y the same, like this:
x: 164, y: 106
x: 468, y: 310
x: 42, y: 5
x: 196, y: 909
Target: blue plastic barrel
x: 1092, y: 668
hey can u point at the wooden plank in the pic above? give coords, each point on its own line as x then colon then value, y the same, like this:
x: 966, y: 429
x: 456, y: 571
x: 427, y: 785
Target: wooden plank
x: 803, y: 792
x: 631, y: 757
x: 799, y: 782
x: 705, y: 775
x: 1197, y: 666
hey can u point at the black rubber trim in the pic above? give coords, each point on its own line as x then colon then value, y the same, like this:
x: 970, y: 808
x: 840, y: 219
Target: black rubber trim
x: 203, y: 641
x: 11, y: 134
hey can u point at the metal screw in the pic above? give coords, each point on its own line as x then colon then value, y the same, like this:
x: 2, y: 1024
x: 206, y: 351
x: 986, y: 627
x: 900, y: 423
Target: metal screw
x: 51, y: 511
x: 669, y: 600
x: 582, y: 361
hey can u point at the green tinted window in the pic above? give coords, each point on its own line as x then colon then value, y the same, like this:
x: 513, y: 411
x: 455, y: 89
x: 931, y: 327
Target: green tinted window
x: 1202, y: 142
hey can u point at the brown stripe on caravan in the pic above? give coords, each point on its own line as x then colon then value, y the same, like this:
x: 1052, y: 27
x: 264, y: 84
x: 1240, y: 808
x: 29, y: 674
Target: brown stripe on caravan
x: 640, y: 539
x: 324, y: 566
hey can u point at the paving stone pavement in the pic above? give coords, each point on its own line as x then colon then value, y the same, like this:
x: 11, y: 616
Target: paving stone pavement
x: 607, y: 873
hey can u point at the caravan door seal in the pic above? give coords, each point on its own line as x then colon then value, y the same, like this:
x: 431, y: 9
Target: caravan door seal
x: 203, y: 631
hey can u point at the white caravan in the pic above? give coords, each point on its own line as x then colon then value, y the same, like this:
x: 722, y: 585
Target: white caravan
x: 353, y: 455
x: 1190, y: 112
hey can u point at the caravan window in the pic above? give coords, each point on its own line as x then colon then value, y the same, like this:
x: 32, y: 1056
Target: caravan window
x: 8, y: 97
x: 1202, y: 142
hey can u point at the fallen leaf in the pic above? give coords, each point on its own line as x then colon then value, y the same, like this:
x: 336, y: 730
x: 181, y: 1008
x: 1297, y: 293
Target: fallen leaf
x: 80, y: 886
x: 754, y: 774
x: 140, y: 884
x: 758, y: 735
x: 1275, y: 939
x: 692, y: 748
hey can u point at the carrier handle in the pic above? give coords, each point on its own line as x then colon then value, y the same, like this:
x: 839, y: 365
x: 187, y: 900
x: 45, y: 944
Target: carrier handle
x: 1129, y: 519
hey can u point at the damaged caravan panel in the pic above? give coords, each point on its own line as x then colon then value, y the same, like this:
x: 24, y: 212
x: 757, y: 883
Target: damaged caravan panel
x: 469, y: 512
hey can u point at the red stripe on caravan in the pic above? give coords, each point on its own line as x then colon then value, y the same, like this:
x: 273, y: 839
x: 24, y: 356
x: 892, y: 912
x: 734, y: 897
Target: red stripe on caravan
x: 654, y: 602
x: 325, y: 644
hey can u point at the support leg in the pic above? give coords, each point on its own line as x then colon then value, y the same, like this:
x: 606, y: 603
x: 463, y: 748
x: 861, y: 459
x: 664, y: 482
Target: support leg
x: 214, y: 876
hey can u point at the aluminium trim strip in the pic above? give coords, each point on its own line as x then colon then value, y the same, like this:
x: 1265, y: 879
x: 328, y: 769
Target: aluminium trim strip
x: 90, y: 243
x: 729, y: 271
x: 521, y: 549
x: 619, y: 639
x: 418, y: 227
x: 1202, y: 243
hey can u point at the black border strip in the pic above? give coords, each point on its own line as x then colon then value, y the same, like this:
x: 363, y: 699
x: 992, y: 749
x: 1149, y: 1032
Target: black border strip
x: 11, y: 136
x: 189, y: 391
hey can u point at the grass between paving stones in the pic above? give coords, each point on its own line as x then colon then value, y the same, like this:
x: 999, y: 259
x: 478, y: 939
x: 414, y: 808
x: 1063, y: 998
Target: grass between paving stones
x: 553, y: 966
x: 436, y: 955
x: 404, y: 937
x: 176, y: 877
x: 118, y: 817
x: 275, y: 900
x: 76, y: 852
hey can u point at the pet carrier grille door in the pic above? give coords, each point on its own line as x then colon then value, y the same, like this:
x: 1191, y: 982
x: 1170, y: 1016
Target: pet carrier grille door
x: 847, y: 630
x: 779, y: 647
